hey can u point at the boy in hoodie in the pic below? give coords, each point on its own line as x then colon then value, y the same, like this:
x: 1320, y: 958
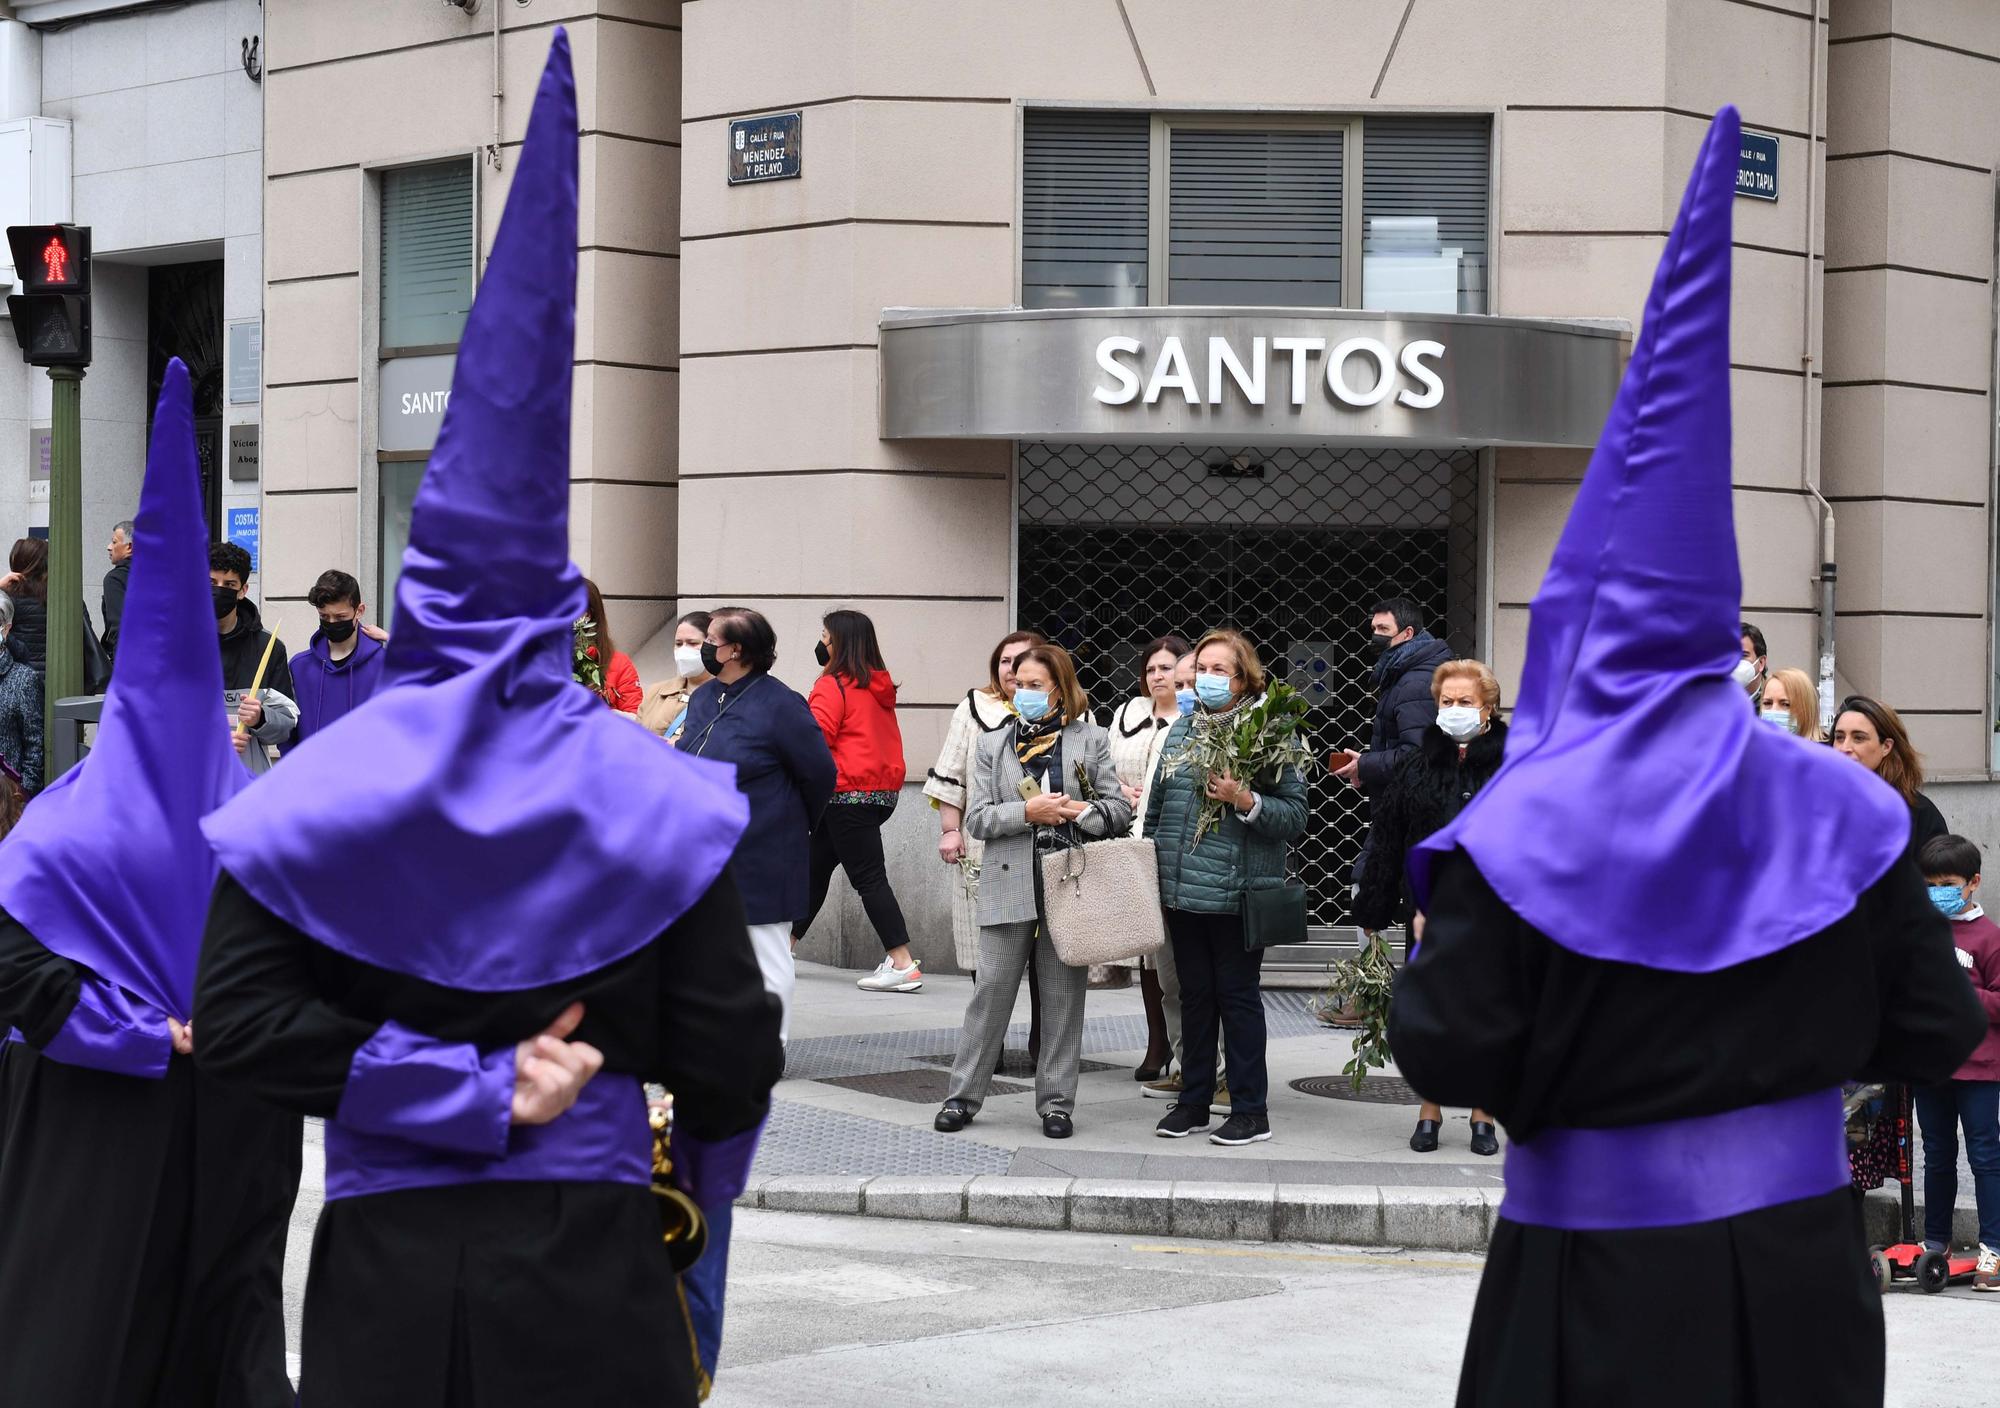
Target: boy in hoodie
x: 342, y: 666
x: 268, y: 715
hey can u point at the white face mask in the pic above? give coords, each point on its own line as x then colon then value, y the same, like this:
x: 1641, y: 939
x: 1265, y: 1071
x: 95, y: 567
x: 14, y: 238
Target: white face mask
x: 1461, y: 721
x: 687, y: 659
x: 1744, y: 673
x: 1781, y: 719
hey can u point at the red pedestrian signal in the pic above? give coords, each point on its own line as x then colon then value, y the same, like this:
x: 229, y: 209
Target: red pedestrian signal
x: 51, y: 310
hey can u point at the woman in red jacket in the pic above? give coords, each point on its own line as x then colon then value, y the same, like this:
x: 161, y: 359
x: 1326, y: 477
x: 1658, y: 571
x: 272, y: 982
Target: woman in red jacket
x: 621, y: 677
x: 855, y: 702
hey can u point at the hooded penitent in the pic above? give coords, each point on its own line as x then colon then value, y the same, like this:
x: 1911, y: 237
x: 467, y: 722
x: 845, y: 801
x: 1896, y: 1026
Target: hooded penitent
x: 109, y: 868
x: 456, y: 826
x: 1642, y: 814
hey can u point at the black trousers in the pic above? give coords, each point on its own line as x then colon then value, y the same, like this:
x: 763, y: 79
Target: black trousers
x: 1219, y: 984
x: 849, y: 837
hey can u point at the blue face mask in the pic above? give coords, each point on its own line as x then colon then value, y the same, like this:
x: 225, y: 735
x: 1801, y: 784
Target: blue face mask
x: 1950, y: 899
x: 1032, y: 704
x: 1185, y: 699
x: 1213, y: 691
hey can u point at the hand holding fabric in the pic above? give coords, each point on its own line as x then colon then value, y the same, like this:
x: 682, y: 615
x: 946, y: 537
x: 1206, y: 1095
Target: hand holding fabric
x: 183, y: 1035
x: 550, y: 1072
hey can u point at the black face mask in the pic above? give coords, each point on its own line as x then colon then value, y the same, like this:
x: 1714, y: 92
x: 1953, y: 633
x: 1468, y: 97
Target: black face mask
x: 1378, y: 646
x: 337, y: 631
x: 225, y: 601
x: 820, y: 654
x: 708, y: 660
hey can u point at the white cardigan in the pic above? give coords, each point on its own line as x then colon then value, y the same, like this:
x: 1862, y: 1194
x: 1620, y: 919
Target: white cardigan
x: 1137, y: 736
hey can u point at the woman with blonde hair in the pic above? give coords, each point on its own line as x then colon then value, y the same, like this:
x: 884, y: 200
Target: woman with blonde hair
x: 1042, y: 782
x: 1790, y: 703
x: 1871, y: 733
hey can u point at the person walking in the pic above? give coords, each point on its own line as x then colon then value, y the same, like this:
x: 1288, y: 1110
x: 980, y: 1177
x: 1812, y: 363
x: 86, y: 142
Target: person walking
x: 1871, y: 733
x: 1202, y: 884
x: 1790, y: 704
x: 746, y: 717
x: 21, y: 741
x: 608, y: 671
x: 1458, y: 756
x: 663, y: 706
x: 854, y: 700
x: 1138, y: 730
x: 1042, y: 782
x: 27, y: 582
x: 341, y: 666
x: 119, y: 550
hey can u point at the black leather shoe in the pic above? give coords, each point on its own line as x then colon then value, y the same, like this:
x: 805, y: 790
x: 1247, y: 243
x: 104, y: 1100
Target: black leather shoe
x: 1424, y: 1141
x: 1484, y: 1140
x: 1056, y: 1125
x: 952, y: 1118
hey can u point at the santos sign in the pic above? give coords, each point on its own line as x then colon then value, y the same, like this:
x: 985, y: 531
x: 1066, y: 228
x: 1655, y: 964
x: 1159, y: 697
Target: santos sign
x: 1245, y: 376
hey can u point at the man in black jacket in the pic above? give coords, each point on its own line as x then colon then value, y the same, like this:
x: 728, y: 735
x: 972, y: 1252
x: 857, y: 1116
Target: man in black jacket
x: 270, y: 715
x: 1405, y: 656
x: 119, y: 550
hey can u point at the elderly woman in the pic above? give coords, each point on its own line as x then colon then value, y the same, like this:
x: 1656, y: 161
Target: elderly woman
x: 1043, y: 781
x: 1871, y: 733
x: 1202, y: 884
x: 1138, y: 730
x: 1457, y: 757
x: 1791, y: 704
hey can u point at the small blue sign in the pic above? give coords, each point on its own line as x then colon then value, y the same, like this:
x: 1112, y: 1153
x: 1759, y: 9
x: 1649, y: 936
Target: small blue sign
x: 765, y: 148
x: 1757, y: 166
x: 243, y: 532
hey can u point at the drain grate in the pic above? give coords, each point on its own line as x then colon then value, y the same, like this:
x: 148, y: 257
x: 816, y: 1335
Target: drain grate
x: 1375, y: 1090
x: 920, y: 1087
x: 1012, y: 1063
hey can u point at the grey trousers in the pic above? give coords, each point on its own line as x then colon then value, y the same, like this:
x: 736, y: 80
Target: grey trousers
x: 1170, y: 1001
x: 1004, y: 951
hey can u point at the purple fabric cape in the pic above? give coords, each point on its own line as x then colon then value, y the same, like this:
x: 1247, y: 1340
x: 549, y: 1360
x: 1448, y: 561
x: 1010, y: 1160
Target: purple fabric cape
x: 483, y: 821
x: 1642, y: 813
x: 108, y: 866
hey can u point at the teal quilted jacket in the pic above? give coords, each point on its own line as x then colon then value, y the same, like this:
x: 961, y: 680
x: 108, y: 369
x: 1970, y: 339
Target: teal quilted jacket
x: 1211, y: 877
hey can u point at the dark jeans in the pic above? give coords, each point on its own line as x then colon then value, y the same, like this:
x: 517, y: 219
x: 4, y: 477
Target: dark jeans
x: 1219, y: 983
x: 849, y: 837
x: 1941, y: 1109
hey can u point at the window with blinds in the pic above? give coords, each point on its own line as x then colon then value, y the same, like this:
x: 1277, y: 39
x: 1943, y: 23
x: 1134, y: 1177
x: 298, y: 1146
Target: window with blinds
x: 1424, y: 183
x: 427, y: 253
x: 1083, y: 209
x: 1254, y: 216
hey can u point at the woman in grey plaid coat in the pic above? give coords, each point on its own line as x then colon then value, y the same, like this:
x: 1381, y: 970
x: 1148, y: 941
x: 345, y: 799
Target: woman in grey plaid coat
x: 1048, y: 771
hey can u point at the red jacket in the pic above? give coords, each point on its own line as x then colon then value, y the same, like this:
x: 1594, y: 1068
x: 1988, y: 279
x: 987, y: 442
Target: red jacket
x: 860, y: 728
x: 1978, y: 942
x: 621, y: 684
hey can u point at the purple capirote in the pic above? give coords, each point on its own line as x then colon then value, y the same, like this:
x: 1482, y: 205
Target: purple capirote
x: 109, y: 868
x: 1642, y: 814
x: 484, y: 822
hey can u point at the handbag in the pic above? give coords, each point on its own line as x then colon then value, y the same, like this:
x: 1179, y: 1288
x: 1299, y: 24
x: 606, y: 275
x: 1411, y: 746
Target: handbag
x: 1274, y: 911
x: 1101, y: 902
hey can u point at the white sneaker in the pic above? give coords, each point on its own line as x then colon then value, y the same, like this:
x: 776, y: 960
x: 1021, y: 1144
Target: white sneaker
x: 890, y: 978
x: 1986, y: 1277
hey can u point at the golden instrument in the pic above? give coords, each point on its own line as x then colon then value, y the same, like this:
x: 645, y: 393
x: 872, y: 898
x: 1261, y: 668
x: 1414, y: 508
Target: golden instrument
x: 682, y: 1226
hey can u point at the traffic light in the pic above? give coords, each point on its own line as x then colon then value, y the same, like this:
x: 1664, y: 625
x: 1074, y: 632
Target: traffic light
x: 51, y: 313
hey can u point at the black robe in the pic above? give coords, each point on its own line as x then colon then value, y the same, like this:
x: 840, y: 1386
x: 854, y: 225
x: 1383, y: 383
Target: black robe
x: 493, y: 1294
x: 1775, y: 1306
x: 142, y: 1222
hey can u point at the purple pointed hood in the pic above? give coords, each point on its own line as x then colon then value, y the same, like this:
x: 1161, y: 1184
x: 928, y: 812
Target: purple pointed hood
x: 1643, y: 814
x: 483, y: 821
x: 108, y: 868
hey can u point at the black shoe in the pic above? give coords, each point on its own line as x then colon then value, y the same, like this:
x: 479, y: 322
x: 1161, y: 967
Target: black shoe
x: 1425, y: 1140
x: 952, y: 1118
x: 1181, y: 1121
x: 1242, y: 1129
x: 1153, y: 1070
x: 1484, y: 1141
x: 1057, y: 1125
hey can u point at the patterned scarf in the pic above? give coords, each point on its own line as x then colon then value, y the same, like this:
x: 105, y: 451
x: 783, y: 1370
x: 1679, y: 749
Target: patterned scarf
x: 1032, y: 740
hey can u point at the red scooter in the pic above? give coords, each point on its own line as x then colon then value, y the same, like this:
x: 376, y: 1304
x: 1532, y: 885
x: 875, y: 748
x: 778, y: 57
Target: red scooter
x: 1908, y: 1259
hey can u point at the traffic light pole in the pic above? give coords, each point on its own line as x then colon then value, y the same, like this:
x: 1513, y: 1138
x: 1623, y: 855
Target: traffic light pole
x: 65, y: 638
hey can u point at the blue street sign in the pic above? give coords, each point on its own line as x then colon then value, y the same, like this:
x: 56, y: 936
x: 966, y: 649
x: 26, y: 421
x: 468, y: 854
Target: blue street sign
x: 1757, y: 166
x: 243, y: 532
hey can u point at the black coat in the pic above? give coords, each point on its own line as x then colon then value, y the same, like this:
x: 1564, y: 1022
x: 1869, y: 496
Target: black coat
x: 28, y: 641
x: 1404, y: 709
x: 115, y: 582
x: 243, y: 648
x: 1430, y: 787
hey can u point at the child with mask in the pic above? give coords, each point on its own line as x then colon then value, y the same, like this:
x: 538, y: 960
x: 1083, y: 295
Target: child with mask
x: 1971, y: 1098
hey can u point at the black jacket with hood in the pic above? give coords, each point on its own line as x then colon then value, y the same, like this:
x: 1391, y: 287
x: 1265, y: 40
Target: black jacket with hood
x: 1404, y: 709
x: 243, y: 647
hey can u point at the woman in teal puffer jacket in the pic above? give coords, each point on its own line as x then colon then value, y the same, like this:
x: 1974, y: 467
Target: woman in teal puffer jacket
x: 1201, y: 888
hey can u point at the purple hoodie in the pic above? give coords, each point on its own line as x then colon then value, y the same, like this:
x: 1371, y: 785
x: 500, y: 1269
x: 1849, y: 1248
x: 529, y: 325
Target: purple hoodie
x: 331, y: 689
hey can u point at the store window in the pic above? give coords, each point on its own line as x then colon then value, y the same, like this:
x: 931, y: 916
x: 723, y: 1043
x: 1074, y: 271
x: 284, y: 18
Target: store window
x: 1084, y: 190
x: 1423, y: 207
x: 428, y: 254
x: 1254, y: 217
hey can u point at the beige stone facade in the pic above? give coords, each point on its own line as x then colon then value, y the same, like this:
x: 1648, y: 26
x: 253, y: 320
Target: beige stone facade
x: 728, y: 440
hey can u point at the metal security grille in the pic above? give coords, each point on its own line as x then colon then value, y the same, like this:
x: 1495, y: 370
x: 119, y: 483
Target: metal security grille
x: 1121, y: 544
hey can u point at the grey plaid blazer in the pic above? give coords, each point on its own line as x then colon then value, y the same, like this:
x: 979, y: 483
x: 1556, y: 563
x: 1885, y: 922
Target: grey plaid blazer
x: 996, y: 814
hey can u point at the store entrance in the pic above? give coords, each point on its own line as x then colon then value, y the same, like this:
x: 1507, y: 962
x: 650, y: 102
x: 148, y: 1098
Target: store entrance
x: 1120, y: 544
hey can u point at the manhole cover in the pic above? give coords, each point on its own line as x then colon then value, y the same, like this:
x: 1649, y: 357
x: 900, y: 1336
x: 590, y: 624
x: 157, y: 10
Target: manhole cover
x: 1376, y: 1090
x: 1012, y: 1063
x: 924, y: 1087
